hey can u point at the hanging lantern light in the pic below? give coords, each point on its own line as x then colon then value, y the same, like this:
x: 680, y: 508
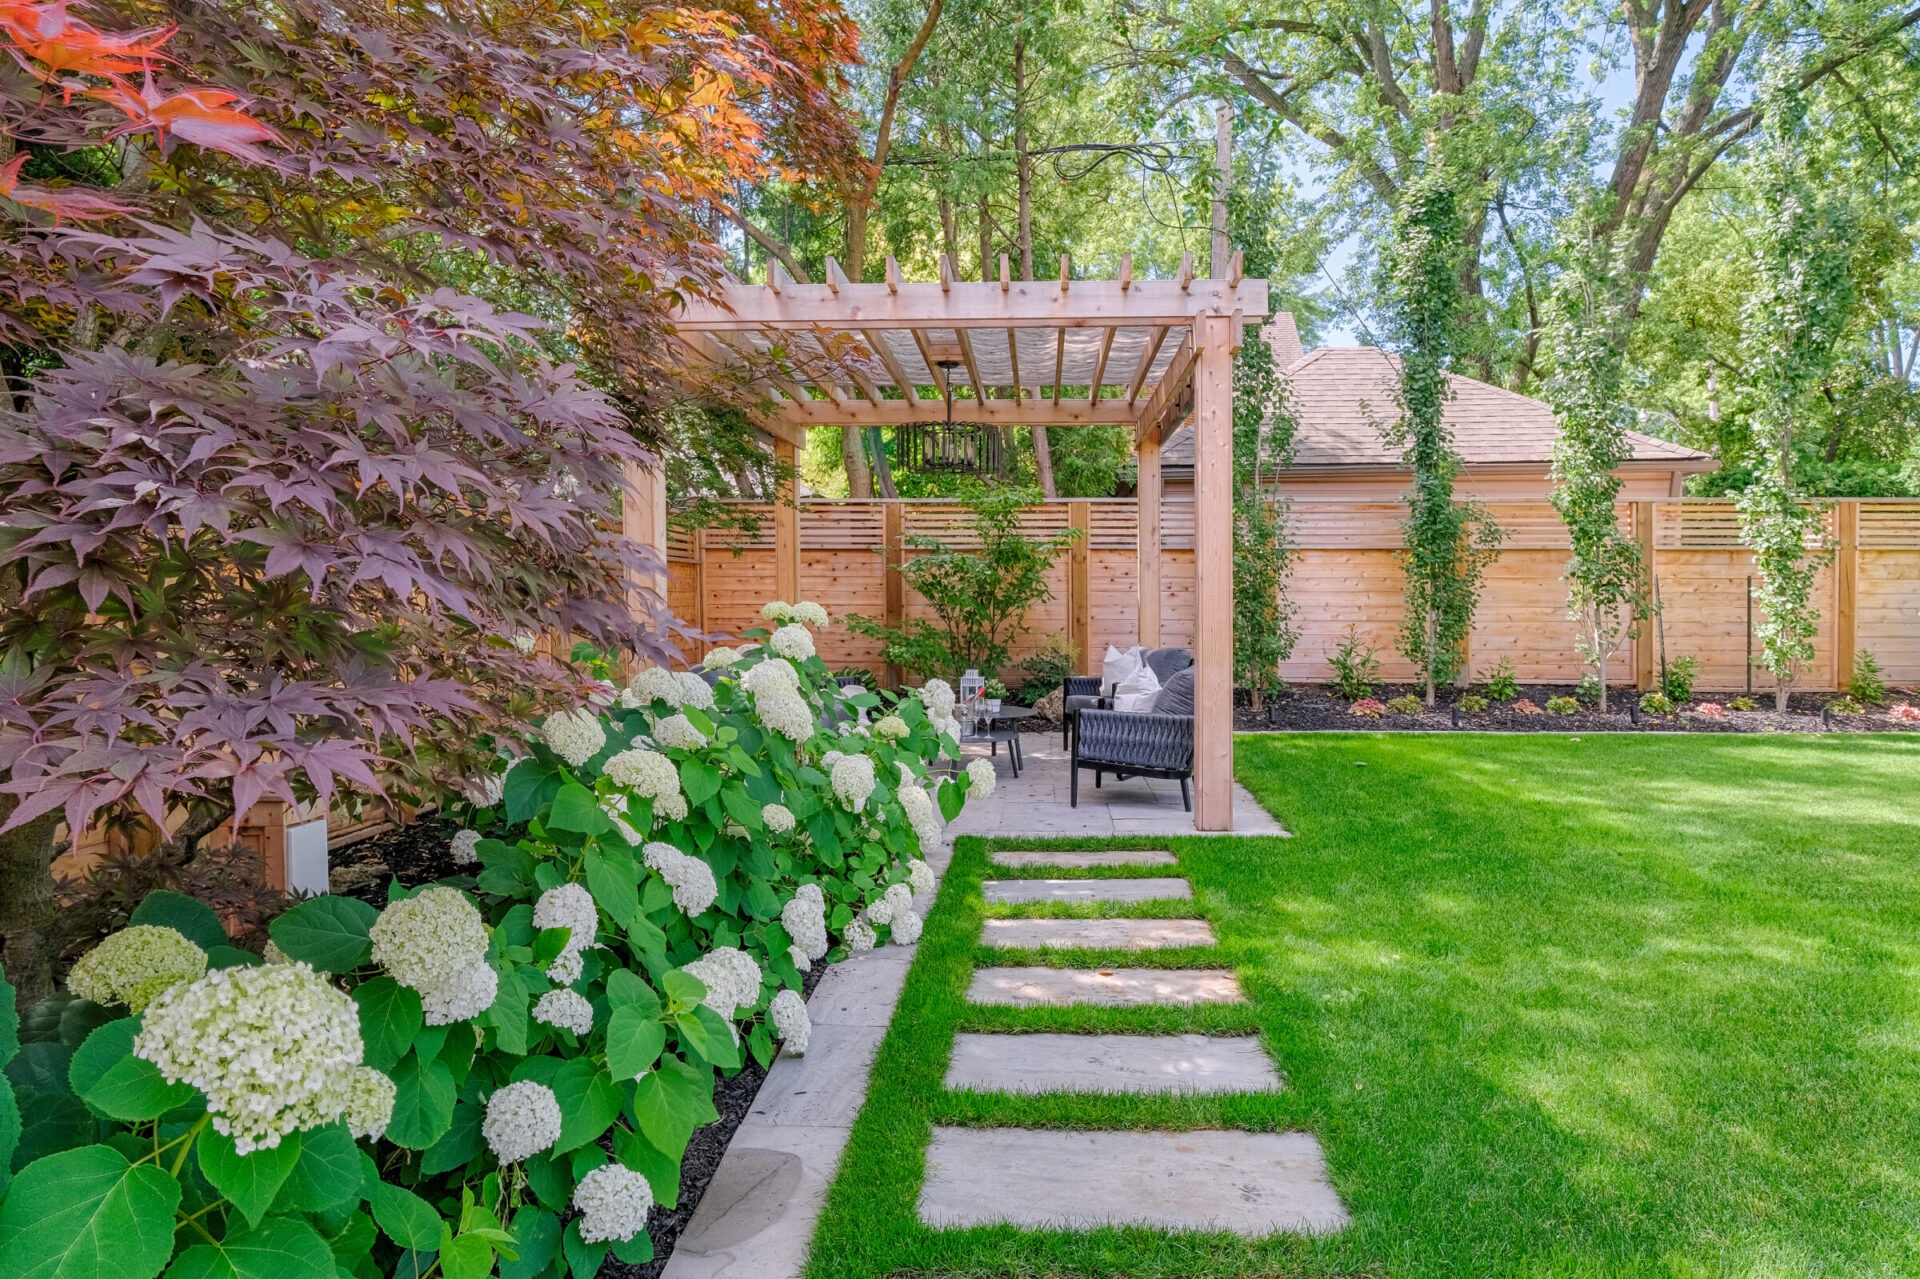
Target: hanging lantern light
x: 948, y: 448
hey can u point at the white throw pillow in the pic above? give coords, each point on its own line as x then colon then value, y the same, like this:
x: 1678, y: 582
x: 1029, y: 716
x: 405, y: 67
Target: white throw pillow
x: 1117, y: 667
x: 1136, y: 693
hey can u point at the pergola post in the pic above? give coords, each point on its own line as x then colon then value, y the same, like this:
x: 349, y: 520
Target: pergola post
x: 643, y: 519
x: 786, y: 524
x: 1213, y: 564
x: 1147, y: 542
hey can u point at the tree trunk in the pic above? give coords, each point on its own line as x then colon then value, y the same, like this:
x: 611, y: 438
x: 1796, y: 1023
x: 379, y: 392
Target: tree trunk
x: 853, y: 455
x: 26, y: 904
x: 1600, y: 669
x: 1043, y: 461
x: 861, y: 203
x: 1023, y: 177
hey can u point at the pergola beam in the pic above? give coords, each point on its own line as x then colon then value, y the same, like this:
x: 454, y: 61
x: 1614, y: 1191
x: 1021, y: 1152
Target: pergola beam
x: 995, y: 412
x: 966, y: 304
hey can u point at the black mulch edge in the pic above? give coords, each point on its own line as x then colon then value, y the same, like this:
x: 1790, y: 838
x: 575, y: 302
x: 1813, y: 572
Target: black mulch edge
x: 1320, y: 708
x: 419, y: 854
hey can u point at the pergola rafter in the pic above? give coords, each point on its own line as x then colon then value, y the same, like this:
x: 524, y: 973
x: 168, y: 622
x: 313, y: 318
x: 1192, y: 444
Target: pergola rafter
x: 986, y: 348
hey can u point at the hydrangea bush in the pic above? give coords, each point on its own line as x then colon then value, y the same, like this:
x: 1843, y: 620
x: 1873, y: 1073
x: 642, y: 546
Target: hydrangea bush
x: 502, y: 1069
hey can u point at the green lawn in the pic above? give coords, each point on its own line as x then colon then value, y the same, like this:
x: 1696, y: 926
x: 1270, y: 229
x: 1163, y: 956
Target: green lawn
x: 1617, y: 1006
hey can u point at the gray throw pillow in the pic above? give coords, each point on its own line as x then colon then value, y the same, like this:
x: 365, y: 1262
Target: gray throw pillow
x: 1176, y: 695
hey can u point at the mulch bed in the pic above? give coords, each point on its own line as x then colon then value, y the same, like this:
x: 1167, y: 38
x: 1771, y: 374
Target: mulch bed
x: 1319, y: 708
x: 419, y: 854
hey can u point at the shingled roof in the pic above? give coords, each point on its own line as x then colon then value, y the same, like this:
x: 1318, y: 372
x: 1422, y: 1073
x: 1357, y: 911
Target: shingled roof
x: 1342, y: 396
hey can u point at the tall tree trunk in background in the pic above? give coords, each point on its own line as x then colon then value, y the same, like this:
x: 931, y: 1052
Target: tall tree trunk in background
x: 859, y: 206
x: 26, y: 904
x: 1023, y: 171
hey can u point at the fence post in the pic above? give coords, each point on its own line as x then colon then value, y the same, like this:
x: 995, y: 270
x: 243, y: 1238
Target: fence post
x: 1643, y: 640
x: 1147, y: 542
x: 1846, y: 590
x: 1079, y: 608
x: 786, y: 528
x: 893, y: 586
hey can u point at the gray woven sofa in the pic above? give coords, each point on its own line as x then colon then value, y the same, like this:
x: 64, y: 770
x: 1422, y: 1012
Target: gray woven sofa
x: 1082, y: 692
x: 1156, y: 743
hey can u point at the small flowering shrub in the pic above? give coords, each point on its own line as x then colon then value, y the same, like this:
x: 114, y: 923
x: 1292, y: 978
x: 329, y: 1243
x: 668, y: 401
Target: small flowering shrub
x: 1904, y: 713
x: 1472, y: 704
x: 1367, y: 708
x: 1405, y: 704
x: 1711, y: 710
x: 503, y: 1068
x: 1563, y: 706
x: 1587, y: 691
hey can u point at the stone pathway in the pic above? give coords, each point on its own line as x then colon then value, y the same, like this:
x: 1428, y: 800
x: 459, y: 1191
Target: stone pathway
x: 1248, y: 1183
x: 1082, y: 859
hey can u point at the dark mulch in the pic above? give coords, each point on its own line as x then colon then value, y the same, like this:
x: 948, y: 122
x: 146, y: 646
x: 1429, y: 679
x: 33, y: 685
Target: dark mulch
x: 1318, y: 707
x: 418, y: 854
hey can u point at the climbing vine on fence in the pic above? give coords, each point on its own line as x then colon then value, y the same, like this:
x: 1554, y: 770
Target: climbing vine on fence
x: 1263, y: 552
x: 1606, y: 575
x: 1801, y: 299
x: 1448, y: 544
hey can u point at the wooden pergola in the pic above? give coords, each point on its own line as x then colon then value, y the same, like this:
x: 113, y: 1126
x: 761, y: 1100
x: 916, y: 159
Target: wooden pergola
x: 1059, y: 352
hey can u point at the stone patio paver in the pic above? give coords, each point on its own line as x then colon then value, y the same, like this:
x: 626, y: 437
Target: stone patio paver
x: 1097, y: 934
x: 1081, y: 858
x: 1107, y: 987
x: 1111, y: 1064
x: 1249, y: 1183
x: 1087, y: 890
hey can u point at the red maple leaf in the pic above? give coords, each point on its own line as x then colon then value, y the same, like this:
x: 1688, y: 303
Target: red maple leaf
x: 204, y: 117
x: 46, y: 35
x: 65, y: 205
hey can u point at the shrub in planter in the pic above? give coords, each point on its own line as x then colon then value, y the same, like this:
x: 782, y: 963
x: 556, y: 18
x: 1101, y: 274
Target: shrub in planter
x: 1356, y: 668
x: 1905, y: 713
x: 1562, y: 706
x: 1526, y: 706
x: 1678, y: 681
x: 1712, y: 710
x: 1846, y: 704
x: 1656, y: 703
x: 650, y: 882
x: 1472, y: 704
x: 1587, y: 691
x: 1405, y: 704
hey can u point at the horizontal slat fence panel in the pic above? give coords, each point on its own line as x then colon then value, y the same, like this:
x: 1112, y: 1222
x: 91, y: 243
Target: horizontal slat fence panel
x: 1346, y: 574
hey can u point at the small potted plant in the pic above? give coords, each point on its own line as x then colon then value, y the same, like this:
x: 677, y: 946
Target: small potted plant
x: 996, y: 693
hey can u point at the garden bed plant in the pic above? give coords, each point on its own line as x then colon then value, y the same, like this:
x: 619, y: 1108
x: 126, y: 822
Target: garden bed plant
x: 500, y: 1070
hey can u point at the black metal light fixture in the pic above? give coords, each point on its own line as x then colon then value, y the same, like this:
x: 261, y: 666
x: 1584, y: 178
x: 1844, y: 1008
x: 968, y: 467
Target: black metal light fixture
x: 948, y: 448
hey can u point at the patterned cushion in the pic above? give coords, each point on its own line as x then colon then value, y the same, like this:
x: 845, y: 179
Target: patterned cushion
x: 1176, y: 695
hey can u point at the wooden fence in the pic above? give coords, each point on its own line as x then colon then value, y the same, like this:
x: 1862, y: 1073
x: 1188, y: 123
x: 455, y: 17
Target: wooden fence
x: 1347, y: 574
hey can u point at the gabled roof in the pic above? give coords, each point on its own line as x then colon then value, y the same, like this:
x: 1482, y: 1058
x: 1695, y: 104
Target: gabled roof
x: 1343, y: 395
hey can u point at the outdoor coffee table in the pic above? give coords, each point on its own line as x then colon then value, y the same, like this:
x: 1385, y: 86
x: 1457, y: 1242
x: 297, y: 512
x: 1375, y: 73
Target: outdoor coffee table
x: 1003, y: 725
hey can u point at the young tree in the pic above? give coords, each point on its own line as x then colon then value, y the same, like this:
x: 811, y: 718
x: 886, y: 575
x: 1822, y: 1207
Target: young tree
x: 1606, y: 577
x: 1802, y: 298
x: 1449, y: 543
x: 1263, y: 426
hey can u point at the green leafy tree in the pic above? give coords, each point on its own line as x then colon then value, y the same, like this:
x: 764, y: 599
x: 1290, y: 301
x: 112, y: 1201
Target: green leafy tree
x: 1605, y: 573
x: 979, y: 594
x: 1448, y: 543
x: 1263, y: 426
x: 1801, y: 301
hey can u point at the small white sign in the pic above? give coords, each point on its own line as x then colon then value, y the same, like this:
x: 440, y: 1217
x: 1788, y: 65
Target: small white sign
x: 307, y: 858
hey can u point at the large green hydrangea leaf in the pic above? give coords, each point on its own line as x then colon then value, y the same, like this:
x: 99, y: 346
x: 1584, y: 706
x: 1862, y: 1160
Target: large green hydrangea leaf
x: 88, y: 1214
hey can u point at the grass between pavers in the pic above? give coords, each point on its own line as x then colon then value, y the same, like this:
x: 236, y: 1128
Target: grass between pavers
x: 1615, y: 1006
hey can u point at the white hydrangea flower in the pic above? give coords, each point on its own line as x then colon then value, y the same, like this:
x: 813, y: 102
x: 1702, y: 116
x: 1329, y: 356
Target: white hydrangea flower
x: 794, y: 642
x: 776, y: 611
x: 812, y: 614
x: 853, y: 780
x: 805, y: 919
x: 860, y: 936
x: 654, y: 684
x: 831, y: 758
x: 566, y: 1009
x: 669, y: 808
x: 937, y: 694
x: 772, y: 673
x: 800, y: 959
x: 914, y: 798
x: 948, y: 726
x: 616, y: 811
x: 920, y: 876
x: 522, y: 1120
x: 273, y: 1048
x: 691, y: 879
x: 778, y: 818
x: 785, y: 712
x: 731, y: 977
x: 469, y: 993
x: 427, y: 940
x: 568, y: 906
x: 134, y: 965
x: 980, y: 773
x: 485, y: 791
x: 613, y: 1203
x: 648, y: 774
x: 720, y: 658
x: 790, y: 1021
x: 906, y: 928
x: 575, y: 736
x: 567, y: 966
x: 272, y: 954
x: 465, y: 846
x: 891, y: 727
x: 368, y: 1103
x: 676, y: 732
x: 694, y: 691
x: 899, y: 899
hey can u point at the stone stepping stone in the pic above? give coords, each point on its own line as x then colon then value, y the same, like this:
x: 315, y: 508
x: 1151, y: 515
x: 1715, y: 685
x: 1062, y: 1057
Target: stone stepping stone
x: 1111, y: 1064
x: 1108, y: 987
x: 1087, y: 890
x: 1097, y: 934
x: 1083, y: 859
x: 1249, y: 1183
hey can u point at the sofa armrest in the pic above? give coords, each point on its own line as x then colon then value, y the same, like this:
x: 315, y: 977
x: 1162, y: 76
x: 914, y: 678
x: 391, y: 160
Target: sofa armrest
x: 1082, y: 686
x: 1123, y: 740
